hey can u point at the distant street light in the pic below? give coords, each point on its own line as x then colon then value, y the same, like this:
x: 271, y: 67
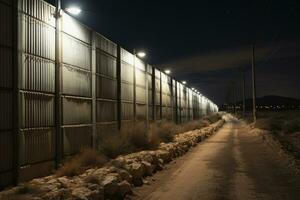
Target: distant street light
x: 141, y: 54
x: 167, y: 71
x: 193, y: 89
x: 73, y: 10
x: 183, y: 82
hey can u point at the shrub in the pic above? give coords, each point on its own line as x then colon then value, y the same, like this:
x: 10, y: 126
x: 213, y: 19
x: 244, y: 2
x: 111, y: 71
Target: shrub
x: 292, y: 126
x: 77, y: 164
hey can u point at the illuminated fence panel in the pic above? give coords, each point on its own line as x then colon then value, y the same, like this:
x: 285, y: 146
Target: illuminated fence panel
x: 127, y: 87
x: 140, y: 90
x: 76, y: 85
x: 106, y: 87
x: 150, y: 93
x: 158, y: 111
x: 102, y: 89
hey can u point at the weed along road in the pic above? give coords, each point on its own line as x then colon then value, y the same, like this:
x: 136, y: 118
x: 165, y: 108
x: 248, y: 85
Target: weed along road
x: 232, y: 164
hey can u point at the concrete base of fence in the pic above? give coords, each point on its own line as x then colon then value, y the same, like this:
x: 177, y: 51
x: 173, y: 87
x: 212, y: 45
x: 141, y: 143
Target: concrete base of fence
x: 116, y: 179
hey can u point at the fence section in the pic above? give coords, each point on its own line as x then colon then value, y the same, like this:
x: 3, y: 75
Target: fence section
x: 102, y: 88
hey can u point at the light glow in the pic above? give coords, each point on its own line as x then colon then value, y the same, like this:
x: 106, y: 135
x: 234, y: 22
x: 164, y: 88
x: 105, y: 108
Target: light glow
x: 183, y: 82
x: 73, y: 10
x: 141, y: 54
x: 167, y: 71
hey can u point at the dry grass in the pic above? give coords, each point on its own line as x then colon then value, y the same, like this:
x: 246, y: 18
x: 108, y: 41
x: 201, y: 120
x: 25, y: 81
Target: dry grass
x: 77, y: 164
x: 132, y: 138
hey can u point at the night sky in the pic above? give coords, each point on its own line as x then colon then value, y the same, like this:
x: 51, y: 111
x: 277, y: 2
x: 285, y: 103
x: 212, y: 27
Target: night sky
x: 206, y: 42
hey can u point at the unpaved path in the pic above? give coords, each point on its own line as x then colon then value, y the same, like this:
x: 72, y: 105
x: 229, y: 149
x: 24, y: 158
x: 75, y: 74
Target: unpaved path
x: 232, y: 164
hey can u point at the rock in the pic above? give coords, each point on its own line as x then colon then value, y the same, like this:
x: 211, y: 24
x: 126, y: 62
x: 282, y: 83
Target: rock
x: 124, y: 188
x: 137, y: 170
x: 146, y: 182
x: 148, y: 168
x: 125, y: 175
x: 57, y: 194
x: 119, y: 162
x: 137, y: 182
x: 110, y: 183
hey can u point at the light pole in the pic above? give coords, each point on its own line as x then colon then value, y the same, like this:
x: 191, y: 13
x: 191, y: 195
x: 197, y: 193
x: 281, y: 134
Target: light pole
x: 253, y: 83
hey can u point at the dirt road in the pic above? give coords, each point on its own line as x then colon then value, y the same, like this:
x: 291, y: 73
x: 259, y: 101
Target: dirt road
x: 232, y: 164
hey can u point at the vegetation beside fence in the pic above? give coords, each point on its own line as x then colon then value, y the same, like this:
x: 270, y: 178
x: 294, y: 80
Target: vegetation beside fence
x: 131, y: 139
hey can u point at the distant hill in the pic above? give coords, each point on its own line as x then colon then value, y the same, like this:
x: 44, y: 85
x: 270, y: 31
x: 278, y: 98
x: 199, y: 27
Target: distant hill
x: 270, y: 102
x: 273, y: 100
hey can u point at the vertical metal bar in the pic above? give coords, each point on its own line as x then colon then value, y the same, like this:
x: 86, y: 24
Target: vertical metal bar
x: 93, y: 86
x: 147, y: 96
x: 171, y: 95
x: 153, y: 95
x: 58, y: 117
x: 16, y: 60
x: 134, y: 86
x: 119, y: 104
x: 244, y: 93
x: 160, y: 95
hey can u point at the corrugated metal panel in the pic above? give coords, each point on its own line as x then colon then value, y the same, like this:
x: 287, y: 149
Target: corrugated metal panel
x: 140, y: 112
x: 37, y: 109
x: 104, y: 130
x: 149, y: 80
x: 157, y: 73
x: 167, y: 113
x: 76, y: 111
x: 76, y: 82
x: 140, y: 95
x: 166, y: 100
x: 39, y: 38
x: 127, y: 57
x: 127, y: 92
x: 29, y: 172
x: 127, y: 111
x: 140, y: 78
x: 157, y: 112
x: 36, y: 146
x: 150, y: 100
x: 76, y: 139
x: 106, y: 111
x: 5, y: 67
x: 76, y: 53
x: 106, y: 45
x: 149, y: 69
x: 157, y: 85
x: 38, y: 74
x: 6, y: 25
x: 74, y: 28
x: 5, y: 110
x: 40, y: 10
x: 150, y: 112
x: 6, y: 151
x: 106, y: 65
x: 126, y: 72
x: 6, y: 179
x: 139, y: 64
x: 106, y: 88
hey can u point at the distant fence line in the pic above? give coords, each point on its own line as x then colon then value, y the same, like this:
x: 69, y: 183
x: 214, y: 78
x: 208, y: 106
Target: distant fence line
x: 101, y: 88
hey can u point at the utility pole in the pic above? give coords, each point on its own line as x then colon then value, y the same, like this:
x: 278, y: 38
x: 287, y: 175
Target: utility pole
x: 253, y: 83
x: 243, y: 70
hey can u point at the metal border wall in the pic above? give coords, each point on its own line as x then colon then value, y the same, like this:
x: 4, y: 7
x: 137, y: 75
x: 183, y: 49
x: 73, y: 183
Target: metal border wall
x: 56, y: 101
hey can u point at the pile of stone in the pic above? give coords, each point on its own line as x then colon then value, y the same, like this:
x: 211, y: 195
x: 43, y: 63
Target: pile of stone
x: 116, y: 179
